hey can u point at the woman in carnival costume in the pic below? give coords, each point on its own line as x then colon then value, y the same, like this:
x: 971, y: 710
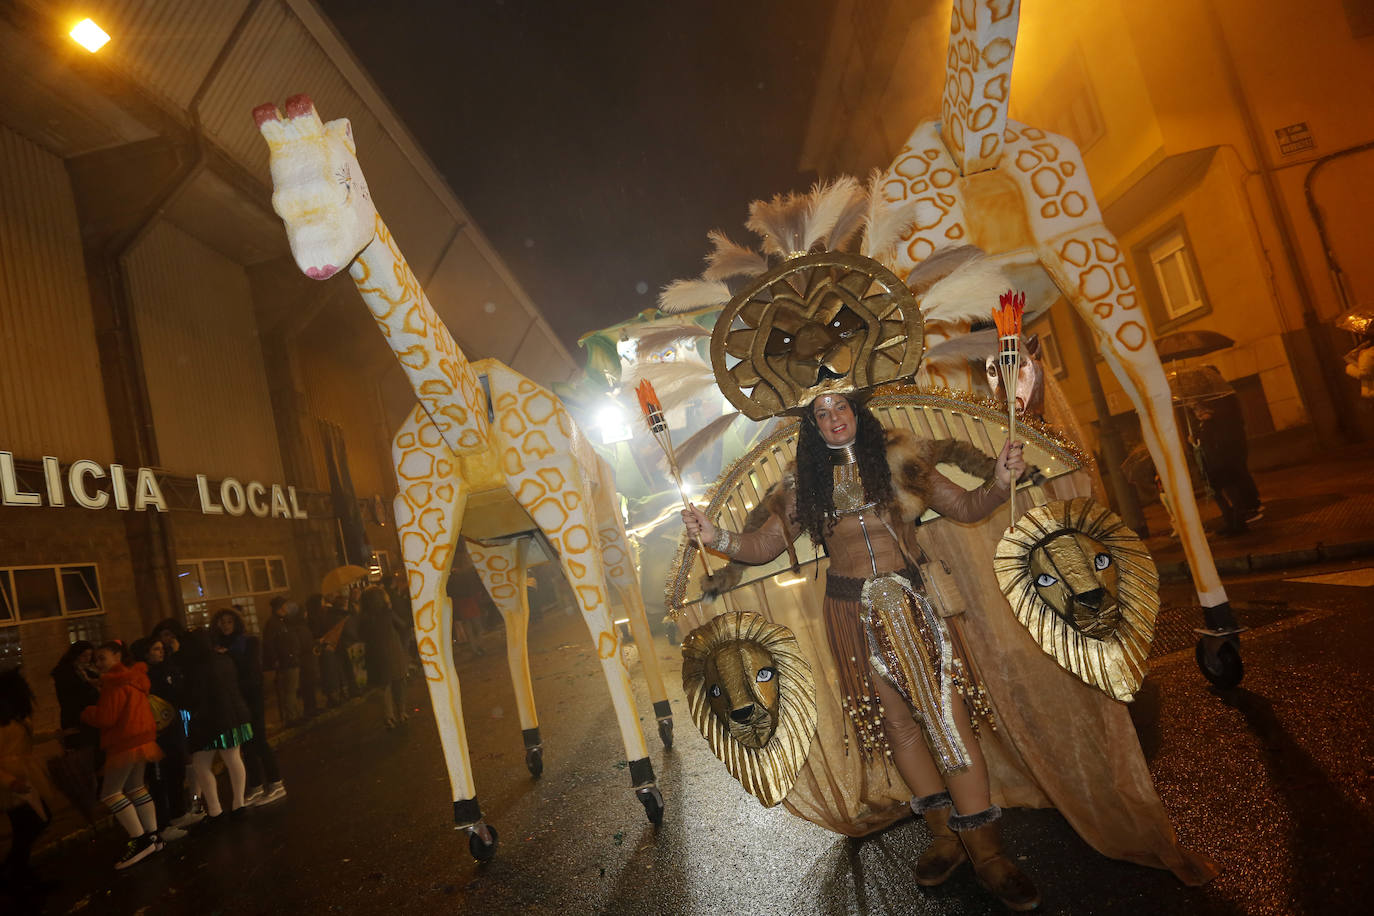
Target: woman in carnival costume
x: 909, y: 677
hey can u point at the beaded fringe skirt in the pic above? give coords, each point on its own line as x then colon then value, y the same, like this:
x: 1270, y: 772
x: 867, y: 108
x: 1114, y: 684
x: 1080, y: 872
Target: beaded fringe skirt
x: 885, y: 626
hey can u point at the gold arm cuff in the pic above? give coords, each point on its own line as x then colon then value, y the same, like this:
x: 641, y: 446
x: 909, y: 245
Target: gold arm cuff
x: 725, y: 542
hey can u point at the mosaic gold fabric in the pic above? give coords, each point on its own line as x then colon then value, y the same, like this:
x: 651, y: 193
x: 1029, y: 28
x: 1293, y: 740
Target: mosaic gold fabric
x: 1086, y: 588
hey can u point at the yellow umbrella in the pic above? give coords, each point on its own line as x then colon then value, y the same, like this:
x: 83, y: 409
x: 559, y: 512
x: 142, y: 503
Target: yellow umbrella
x: 340, y: 578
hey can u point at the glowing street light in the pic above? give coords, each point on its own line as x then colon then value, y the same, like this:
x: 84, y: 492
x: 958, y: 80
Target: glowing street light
x: 89, y: 35
x: 615, y: 427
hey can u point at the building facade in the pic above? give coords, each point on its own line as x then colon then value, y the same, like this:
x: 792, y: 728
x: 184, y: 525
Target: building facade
x: 1231, y: 146
x: 186, y: 422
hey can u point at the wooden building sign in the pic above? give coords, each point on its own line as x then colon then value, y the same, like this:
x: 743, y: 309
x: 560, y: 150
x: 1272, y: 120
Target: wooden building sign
x: 91, y: 485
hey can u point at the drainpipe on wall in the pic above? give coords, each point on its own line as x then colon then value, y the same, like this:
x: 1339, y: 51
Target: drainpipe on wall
x: 1331, y: 383
x: 1328, y: 250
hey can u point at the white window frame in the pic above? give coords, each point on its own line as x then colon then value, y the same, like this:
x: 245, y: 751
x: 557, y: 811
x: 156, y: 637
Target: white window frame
x: 65, y: 614
x: 1175, y: 246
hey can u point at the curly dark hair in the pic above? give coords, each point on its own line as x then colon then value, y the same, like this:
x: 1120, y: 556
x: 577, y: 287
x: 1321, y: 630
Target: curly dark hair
x: 815, y: 479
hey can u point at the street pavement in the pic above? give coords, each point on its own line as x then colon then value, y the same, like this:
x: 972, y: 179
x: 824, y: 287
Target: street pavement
x: 1271, y: 779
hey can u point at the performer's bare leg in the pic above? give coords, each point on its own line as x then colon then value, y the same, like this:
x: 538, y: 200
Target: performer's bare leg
x: 968, y: 787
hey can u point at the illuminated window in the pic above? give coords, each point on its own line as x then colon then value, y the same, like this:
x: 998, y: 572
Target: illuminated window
x: 211, y: 584
x: 1170, y: 282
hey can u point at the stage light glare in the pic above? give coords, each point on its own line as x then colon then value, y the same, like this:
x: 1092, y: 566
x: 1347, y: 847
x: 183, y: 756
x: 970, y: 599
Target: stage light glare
x: 89, y: 35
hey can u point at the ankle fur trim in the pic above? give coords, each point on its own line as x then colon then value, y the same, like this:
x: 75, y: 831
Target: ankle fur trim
x: 923, y: 803
x: 961, y: 822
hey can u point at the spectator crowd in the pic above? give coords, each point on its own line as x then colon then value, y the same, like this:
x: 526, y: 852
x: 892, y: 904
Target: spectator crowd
x: 145, y: 721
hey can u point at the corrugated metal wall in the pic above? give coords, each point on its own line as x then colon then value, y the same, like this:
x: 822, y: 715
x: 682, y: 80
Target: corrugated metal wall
x: 211, y: 408
x: 167, y: 45
x: 338, y: 393
x: 52, y: 399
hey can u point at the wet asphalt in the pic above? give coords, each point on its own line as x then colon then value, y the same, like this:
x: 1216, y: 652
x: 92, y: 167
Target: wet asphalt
x: 1272, y: 779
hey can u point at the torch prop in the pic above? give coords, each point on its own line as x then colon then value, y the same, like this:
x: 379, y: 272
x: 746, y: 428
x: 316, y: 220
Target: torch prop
x: 658, y: 427
x: 1007, y: 317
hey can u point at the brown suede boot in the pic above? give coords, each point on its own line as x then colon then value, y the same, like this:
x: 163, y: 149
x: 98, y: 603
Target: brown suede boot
x: 981, y: 836
x: 945, y: 853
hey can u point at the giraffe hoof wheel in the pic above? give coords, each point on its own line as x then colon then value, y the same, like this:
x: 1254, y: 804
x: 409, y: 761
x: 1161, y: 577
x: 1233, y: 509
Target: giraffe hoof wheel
x: 665, y: 732
x: 652, y: 800
x: 534, y: 761
x: 1219, y: 661
x: 482, y: 840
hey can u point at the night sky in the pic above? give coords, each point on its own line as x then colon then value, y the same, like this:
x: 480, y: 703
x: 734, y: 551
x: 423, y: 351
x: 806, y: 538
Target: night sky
x: 597, y: 143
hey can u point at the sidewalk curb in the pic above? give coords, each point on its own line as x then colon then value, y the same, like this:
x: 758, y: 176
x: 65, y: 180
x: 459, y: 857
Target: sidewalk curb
x: 1178, y: 571
x: 89, y: 831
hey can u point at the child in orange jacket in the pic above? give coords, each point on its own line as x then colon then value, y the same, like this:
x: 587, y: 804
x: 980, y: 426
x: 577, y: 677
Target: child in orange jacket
x: 128, y: 736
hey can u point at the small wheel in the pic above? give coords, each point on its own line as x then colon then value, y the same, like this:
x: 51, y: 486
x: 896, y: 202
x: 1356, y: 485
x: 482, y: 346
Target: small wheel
x: 482, y: 840
x: 534, y: 760
x: 1222, y: 667
x: 652, y: 800
x: 665, y: 732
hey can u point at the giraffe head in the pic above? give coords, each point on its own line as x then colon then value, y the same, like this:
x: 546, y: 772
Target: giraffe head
x: 317, y: 187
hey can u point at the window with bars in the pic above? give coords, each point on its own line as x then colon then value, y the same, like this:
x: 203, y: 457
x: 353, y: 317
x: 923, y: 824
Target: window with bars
x: 208, y: 585
x: 32, y: 593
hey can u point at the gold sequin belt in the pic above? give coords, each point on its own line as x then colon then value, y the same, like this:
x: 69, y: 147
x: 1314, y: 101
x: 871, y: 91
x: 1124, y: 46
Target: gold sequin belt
x: 848, y: 588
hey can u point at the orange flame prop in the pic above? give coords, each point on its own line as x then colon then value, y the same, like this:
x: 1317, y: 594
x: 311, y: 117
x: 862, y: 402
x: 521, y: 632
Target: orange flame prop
x: 1007, y: 316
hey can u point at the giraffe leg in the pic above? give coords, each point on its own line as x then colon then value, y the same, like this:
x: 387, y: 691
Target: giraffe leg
x: 429, y: 514
x: 549, y: 468
x: 620, y: 573
x: 501, y: 568
x: 1088, y: 266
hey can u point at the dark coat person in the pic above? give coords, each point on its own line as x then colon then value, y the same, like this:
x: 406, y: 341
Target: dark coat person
x: 231, y: 637
x: 386, y: 660
x: 77, y: 687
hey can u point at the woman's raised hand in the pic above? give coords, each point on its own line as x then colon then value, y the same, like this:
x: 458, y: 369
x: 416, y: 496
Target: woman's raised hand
x: 697, y: 525
x: 1010, y: 463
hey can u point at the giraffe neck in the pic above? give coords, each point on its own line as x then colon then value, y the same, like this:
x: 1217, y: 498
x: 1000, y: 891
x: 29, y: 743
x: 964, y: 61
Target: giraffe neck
x: 440, y: 374
x: 973, y: 109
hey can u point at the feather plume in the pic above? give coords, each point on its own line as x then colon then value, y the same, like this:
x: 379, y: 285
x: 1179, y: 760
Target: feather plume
x: 676, y: 382
x: 780, y: 222
x: 702, y: 439
x: 654, y: 339
x: 826, y: 206
x: 730, y: 260
x: 962, y: 349
x: 689, y: 295
x: 966, y: 293
x: 940, y: 264
x: 885, y: 222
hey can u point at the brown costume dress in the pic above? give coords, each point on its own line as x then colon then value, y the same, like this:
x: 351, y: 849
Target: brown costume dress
x: 1056, y: 742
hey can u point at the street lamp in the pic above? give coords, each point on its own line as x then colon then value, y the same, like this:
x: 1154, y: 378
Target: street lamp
x: 89, y: 35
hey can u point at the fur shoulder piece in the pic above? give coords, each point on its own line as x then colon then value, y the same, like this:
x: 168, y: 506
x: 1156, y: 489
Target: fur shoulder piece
x: 912, y: 461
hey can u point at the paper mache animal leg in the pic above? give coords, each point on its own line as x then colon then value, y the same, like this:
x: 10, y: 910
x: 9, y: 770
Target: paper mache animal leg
x: 429, y: 510
x: 501, y: 567
x: 620, y: 574
x: 547, y: 464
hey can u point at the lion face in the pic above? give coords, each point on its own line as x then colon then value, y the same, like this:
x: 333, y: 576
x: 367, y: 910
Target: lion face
x: 742, y: 690
x: 1075, y: 575
x: 1085, y: 588
x: 750, y: 692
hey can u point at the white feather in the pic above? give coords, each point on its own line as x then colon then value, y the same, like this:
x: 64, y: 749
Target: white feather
x: 779, y: 222
x: 729, y: 260
x: 826, y: 205
x: 970, y: 292
x: 674, y: 382
x: 688, y: 295
x: 885, y: 223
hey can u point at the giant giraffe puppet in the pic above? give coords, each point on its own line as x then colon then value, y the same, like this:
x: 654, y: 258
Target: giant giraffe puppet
x: 1022, y: 194
x: 492, y: 468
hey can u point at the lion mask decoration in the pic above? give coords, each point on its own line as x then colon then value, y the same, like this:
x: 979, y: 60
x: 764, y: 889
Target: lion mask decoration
x: 1086, y: 588
x: 751, y: 693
